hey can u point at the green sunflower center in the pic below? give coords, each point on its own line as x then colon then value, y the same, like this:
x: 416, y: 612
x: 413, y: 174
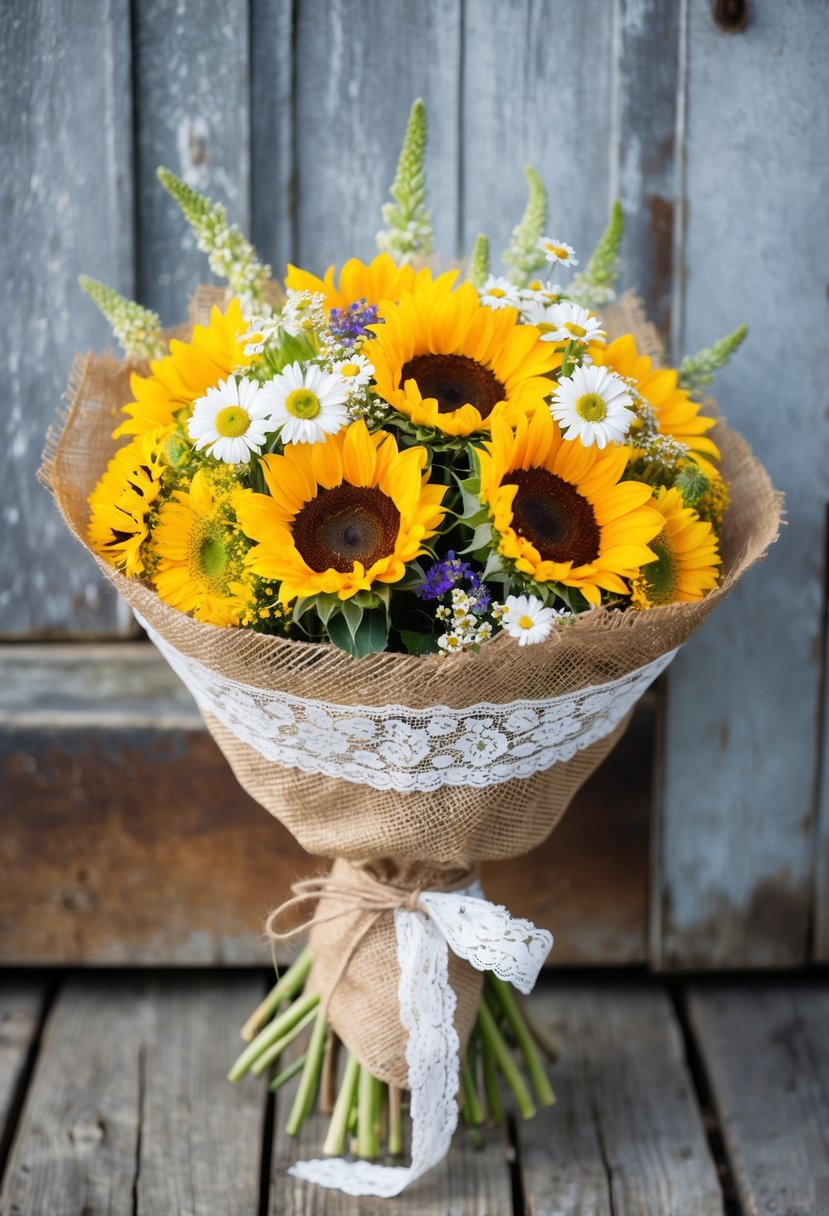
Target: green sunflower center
x: 344, y: 525
x: 212, y: 557
x: 302, y: 403
x: 232, y: 421
x: 591, y: 407
x: 454, y: 381
x: 661, y: 577
x: 551, y: 514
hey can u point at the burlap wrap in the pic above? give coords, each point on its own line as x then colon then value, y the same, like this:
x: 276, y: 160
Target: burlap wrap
x: 413, y: 839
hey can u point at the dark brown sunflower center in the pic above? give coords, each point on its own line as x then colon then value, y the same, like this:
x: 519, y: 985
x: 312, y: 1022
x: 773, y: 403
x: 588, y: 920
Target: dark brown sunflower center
x: 552, y: 515
x: 344, y: 525
x: 454, y: 381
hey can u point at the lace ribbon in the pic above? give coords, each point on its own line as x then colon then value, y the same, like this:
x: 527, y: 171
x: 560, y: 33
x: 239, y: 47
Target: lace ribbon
x: 491, y: 940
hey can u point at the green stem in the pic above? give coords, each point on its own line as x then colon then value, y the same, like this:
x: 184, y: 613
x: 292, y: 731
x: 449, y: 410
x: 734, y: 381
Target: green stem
x: 308, y: 1082
x: 564, y: 370
x: 367, y: 1141
x: 395, y: 1121
x: 526, y: 1044
x: 287, y: 985
x: 472, y: 1112
x: 493, y: 1097
x: 286, y: 1074
x: 492, y: 1035
x: 275, y: 1030
x: 275, y: 1050
x: 338, y: 1127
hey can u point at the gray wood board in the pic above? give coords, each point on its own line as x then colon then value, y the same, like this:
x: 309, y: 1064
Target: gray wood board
x: 358, y: 70
x: 192, y: 115
x: 528, y: 99
x: 625, y: 1137
x: 67, y: 209
x: 129, y: 1111
x: 765, y: 1047
x: 272, y: 182
x: 738, y: 831
x: 21, y: 1005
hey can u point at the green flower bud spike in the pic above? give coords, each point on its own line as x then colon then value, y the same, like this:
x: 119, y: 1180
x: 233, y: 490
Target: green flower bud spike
x: 137, y: 330
x: 230, y: 254
x: 409, y: 233
x: 524, y: 253
x: 478, y: 271
x: 594, y: 286
x: 697, y: 371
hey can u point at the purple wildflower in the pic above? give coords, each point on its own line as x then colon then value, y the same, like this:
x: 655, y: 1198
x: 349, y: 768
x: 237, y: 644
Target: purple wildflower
x: 350, y: 324
x: 446, y: 574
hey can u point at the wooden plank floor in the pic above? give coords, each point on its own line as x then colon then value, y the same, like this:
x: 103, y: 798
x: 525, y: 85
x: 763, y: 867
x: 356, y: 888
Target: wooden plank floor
x: 702, y: 1098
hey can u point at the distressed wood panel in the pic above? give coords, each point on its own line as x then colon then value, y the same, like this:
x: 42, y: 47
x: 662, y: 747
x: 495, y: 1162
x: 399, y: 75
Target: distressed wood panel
x: 625, y: 1137
x: 67, y: 209
x: 737, y: 852
x: 527, y: 99
x: 359, y: 66
x: 192, y: 115
x: 272, y: 68
x: 21, y: 1007
x: 111, y: 788
x: 765, y: 1046
x: 647, y: 84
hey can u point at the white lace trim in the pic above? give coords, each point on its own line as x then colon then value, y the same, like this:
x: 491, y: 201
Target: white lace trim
x: 393, y: 747
x: 484, y: 934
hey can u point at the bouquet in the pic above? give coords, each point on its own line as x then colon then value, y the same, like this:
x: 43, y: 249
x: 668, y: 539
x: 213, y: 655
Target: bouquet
x: 417, y: 541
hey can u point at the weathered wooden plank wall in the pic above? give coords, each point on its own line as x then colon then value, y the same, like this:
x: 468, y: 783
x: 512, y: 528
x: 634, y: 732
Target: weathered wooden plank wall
x: 291, y: 112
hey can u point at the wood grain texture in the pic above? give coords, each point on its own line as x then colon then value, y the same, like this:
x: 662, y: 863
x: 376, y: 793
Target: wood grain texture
x: 67, y: 209
x: 110, y: 788
x: 21, y: 1009
x: 738, y: 836
x: 192, y: 115
x: 626, y: 1137
x: 765, y: 1047
x: 272, y: 182
x: 527, y: 99
x: 359, y: 67
x: 648, y: 77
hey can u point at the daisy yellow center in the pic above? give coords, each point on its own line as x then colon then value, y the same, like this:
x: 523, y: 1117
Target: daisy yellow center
x: 454, y: 381
x: 660, y: 577
x: 232, y: 421
x: 578, y: 331
x: 350, y: 369
x: 591, y: 407
x: 558, y: 250
x: 302, y: 403
x: 344, y: 525
x: 497, y: 293
x: 551, y: 514
x: 525, y: 622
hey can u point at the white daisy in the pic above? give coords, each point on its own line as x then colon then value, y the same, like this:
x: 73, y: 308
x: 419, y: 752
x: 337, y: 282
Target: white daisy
x: 539, y: 290
x: 307, y: 403
x: 356, y: 372
x: 568, y: 321
x: 231, y: 421
x: 500, y: 293
x: 593, y: 405
x: 559, y: 253
x: 525, y: 618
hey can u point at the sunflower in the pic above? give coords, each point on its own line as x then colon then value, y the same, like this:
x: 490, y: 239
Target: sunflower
x: 382, y: 279
x: 190, y: 369
x: 451, y: 363
x: 201, y: 550
x: 340, y: 515
x: 676, y: 413
x: 561, y: 513
x: 121, y: 502
x: 686, y: 557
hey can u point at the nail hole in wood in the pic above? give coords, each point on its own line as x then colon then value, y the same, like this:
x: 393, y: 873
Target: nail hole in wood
x: 731, y: 15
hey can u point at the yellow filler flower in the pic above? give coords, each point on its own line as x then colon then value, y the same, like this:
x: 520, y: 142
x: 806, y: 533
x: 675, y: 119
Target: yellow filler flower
x: 190, y: 369
x: 449, y: 362
x: 561, y: 513
x: 381, y: 279
x: 687, y: 557
x: 340, y: 515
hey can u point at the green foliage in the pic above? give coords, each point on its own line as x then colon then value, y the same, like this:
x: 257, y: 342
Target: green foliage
x: 409, y: 233
x: 230, y: 254
x: 697, y: 371
x: 594, y: 285
x: 478, y: 271
x: 524, y: 253
x: 136, y: 329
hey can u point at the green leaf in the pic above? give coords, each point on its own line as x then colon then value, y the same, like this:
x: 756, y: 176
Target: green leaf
x: 418, y: 643
x: 371, y: 636
x: 353, y: 614
x: 481, y: 539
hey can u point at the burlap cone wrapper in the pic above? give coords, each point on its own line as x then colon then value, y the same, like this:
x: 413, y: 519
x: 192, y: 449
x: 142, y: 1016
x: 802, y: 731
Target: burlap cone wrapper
x: 425, y: 838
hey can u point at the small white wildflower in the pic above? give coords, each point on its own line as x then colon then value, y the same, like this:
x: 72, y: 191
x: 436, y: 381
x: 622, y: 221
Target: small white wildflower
x: 558, y: 252
x: 526, y: 619
x: 568, y: 322
x: 356, y: 372
x: 500, y: 293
